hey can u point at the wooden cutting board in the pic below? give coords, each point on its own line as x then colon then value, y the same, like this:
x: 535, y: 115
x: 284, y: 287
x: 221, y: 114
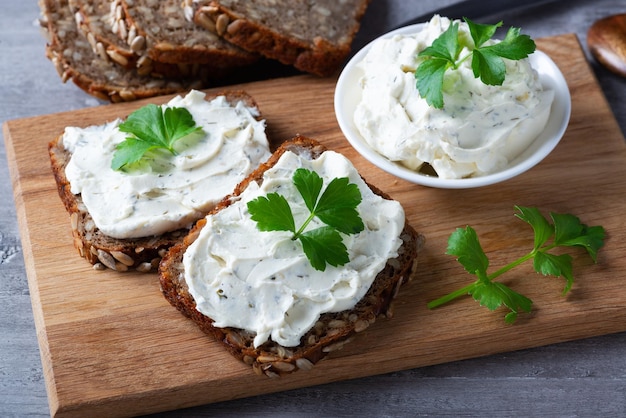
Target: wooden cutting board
x: 112, y: 346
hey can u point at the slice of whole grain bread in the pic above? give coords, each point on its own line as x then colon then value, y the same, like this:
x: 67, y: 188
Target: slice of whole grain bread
x: 312, y: 36
x: 141, y: 254
x: 171, y: 38
x: 332, y: 330
x: 95, y: 20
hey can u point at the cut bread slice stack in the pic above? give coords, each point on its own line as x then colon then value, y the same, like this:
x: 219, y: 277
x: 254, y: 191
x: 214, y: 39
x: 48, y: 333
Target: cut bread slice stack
x: 332, y: 330
x: 120, y: 50
x: 121, y: 254
x: 74, y: 59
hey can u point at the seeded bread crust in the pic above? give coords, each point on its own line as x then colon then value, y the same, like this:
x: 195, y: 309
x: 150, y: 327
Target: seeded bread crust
x: 312, y: 36
x: 74, y: 59
x: 171, y: 38
x: 331, y: 331
x: 140, y: 254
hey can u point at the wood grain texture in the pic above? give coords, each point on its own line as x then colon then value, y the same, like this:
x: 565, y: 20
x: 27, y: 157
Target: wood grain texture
x: 111, y: 345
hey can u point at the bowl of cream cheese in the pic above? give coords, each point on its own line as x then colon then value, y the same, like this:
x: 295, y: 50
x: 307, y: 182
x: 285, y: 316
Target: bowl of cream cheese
x: 483, y: 135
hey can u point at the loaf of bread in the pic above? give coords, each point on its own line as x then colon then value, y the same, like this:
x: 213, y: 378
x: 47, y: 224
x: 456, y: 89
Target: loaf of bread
x: 142, y: 254
x: 74, y: 59
x: 332, y: 330
x: 120, y: 50
x: 312, y: 36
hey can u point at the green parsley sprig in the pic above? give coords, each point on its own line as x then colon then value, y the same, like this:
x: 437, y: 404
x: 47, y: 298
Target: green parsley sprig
x: 336, y: 207
x: 152, y: 128
x: 565, y: 231
x: 487, y: 61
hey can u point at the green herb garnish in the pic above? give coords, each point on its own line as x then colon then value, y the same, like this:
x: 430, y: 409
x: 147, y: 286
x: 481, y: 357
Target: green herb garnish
x: 152, y: 128
x: 487, y: 61
x: 336, y: 207
x: 566, y: 231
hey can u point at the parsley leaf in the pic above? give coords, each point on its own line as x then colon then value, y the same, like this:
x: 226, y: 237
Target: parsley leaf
x: 493, y: 295
x: 272, y: 213
x: 151, y: 128
x: 481, y: 33
x: 566, y: 230
x: 487, y: 61
x: 464, y: 244
x: 309, y: 184
x: 336, y: 207
x: 324, y: 245
x: 446, y: 46
x: 430, y: 75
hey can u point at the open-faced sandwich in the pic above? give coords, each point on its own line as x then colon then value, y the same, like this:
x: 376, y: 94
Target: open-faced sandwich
x: 300, y: 257
x: 133, y: 188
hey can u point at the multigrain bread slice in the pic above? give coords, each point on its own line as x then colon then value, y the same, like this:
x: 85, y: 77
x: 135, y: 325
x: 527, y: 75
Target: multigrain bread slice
x: 74, y: 59
x: 312, y: 36
x: 92, y: 19
x: 171, y: 38
x: 95, y: 20
x: 331, y: 331
x: 140, y: 254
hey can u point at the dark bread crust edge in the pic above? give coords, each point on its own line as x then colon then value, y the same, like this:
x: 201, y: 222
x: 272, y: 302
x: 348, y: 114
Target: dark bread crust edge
x: 141, y: 254
x: 332, y: 330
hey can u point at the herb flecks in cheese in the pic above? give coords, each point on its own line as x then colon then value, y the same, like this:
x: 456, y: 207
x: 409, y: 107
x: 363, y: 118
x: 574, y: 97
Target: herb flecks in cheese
x: 262, y: 282
x: 481, y: 128
x: 165, y: 193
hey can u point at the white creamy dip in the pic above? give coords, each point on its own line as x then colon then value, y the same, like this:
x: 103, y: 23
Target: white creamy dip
x: 480, y: 129
x: 173, y: 191
x: 262, y: 281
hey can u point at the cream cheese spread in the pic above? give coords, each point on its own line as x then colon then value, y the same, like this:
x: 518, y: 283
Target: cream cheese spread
x: 262, y: 281
x: 481, y: 128
x: 170, y: 192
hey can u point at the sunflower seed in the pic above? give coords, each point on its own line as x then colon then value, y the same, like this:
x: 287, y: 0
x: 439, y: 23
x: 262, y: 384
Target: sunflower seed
x: 123, y: 258
x: 304, y: 364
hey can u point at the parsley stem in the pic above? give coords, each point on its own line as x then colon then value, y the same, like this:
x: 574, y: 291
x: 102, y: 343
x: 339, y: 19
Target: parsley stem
x: 465, y: 290
x: 304, y: 225
x: 459, y: 61
x: 510, y: 266
x: 519, y: 261
x: 451, y: 296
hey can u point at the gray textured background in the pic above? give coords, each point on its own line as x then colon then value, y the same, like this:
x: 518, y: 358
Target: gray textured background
x: 580, y: 378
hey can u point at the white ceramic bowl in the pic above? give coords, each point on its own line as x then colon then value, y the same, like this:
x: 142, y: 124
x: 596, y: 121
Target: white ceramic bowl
x: 348, y: 95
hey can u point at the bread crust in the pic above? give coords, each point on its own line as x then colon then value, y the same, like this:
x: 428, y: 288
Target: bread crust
x: 141, y: 254
x: 332, y: 330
